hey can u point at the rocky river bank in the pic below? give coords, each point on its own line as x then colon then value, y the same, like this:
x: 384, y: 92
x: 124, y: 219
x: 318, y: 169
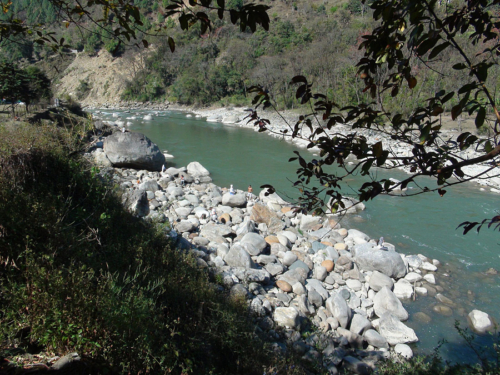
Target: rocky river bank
x: 332, y: 294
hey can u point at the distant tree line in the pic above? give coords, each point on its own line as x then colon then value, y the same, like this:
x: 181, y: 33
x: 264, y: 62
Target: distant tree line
x: 28, y: 86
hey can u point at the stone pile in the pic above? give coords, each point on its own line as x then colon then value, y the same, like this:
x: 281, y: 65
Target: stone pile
x: 331, y: 293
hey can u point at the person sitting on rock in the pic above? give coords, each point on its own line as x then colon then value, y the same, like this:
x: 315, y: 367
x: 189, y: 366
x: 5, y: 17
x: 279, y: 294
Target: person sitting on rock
x: 183, y: 182
x: 250, y: 192
x: 231, y: 190
x: 214, y: 214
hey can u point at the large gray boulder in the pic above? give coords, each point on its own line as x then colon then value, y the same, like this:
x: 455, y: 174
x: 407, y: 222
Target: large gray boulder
x: 394, y: 331
x: 374, y: 338
x: 254, y: 243
x: 370, y: 258
x: 133, y: 150
x: 386, y: 301
x: 234, y: 200
x: 195, y: 169
x: 480, y: 322
x: 378, y: 280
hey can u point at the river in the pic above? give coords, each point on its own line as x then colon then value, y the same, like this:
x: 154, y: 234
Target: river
x: 424, y: 224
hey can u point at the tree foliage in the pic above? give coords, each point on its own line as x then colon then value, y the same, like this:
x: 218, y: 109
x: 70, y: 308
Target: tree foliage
x: 23, y: 85
x: 425, y: 31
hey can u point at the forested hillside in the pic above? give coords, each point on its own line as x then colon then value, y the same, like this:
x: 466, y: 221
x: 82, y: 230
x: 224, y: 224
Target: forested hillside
x: 317, y: 39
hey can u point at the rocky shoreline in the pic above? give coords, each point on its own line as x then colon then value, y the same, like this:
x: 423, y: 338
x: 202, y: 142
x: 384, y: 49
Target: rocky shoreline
x: 331, y: 294
x: 282, y: 121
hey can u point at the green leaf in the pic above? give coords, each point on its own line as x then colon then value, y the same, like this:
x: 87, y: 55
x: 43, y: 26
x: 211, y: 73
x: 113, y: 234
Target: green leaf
x: 456, y: 111
x: 438, y: 49
x: 459, y: 66
x: 481, y: 115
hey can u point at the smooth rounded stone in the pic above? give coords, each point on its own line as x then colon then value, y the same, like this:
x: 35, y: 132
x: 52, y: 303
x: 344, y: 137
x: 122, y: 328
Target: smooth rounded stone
x: 356, y: 366
x: 299, y: 264
x: 378, y: 280
x: 403, y: 289
x: 318, y: 286
x: 317, y: 246
x: 256, y: 240
x: 354, y: 285
x: 359, y: 324
x: 340, y: 246
x: 222, y: 250
x: 421, y: 291
x: 442, y: 310
x: 275, y: 268
x: 414, y: 261
x: 200, y: 241
x: 394, y: 331
x: 428, y: 267
x: 413, y: 277
x: 133, y: 150
x: 480, y: 322
x: 284, y: 286
x: 271, y: 239
x: 430, y: 278
x: 175, y: 191
x: 238, y: 291
x: 289, y: 259
x: 309, y: 222
x: 315, y: 298
x: 220, y: 230
x: 346, y: 295
x: 238, y: 257
x: 299, y: 289
x: 266, y: 259
x: 430, y: 290
x: 293, y: 276
x: 286, y: 317
x: 331, y: 253
x: 421, y: 317
x: 292, y: 237
x: 234, y: 200
x: 369, y: 258
x: 339, y: 309
x: 354, y: 233
x: 386, y: 301
x: 149, y: 185
x: 374, y: 338
x: 201, y: 212
x: 284, y: 241
x: 320, y: 273
x: 328, y: 265
x: 443, y: 299
x: 404, y: 351
x: 184, y: 226
x: 197, y: 170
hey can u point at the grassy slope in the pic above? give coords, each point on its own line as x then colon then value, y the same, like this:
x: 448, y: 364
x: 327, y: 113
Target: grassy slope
x: 78, y: 273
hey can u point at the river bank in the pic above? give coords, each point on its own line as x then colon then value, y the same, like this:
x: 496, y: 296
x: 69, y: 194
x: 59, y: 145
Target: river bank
x: 286, y: 119
x: 431, y: 301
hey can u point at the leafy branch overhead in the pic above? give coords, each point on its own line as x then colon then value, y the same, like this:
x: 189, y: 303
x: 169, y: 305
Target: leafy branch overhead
x: 408, y: 33
x: 121, y: 19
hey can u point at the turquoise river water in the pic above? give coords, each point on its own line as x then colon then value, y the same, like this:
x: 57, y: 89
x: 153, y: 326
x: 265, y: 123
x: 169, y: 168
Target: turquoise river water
x: 424, y: 224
